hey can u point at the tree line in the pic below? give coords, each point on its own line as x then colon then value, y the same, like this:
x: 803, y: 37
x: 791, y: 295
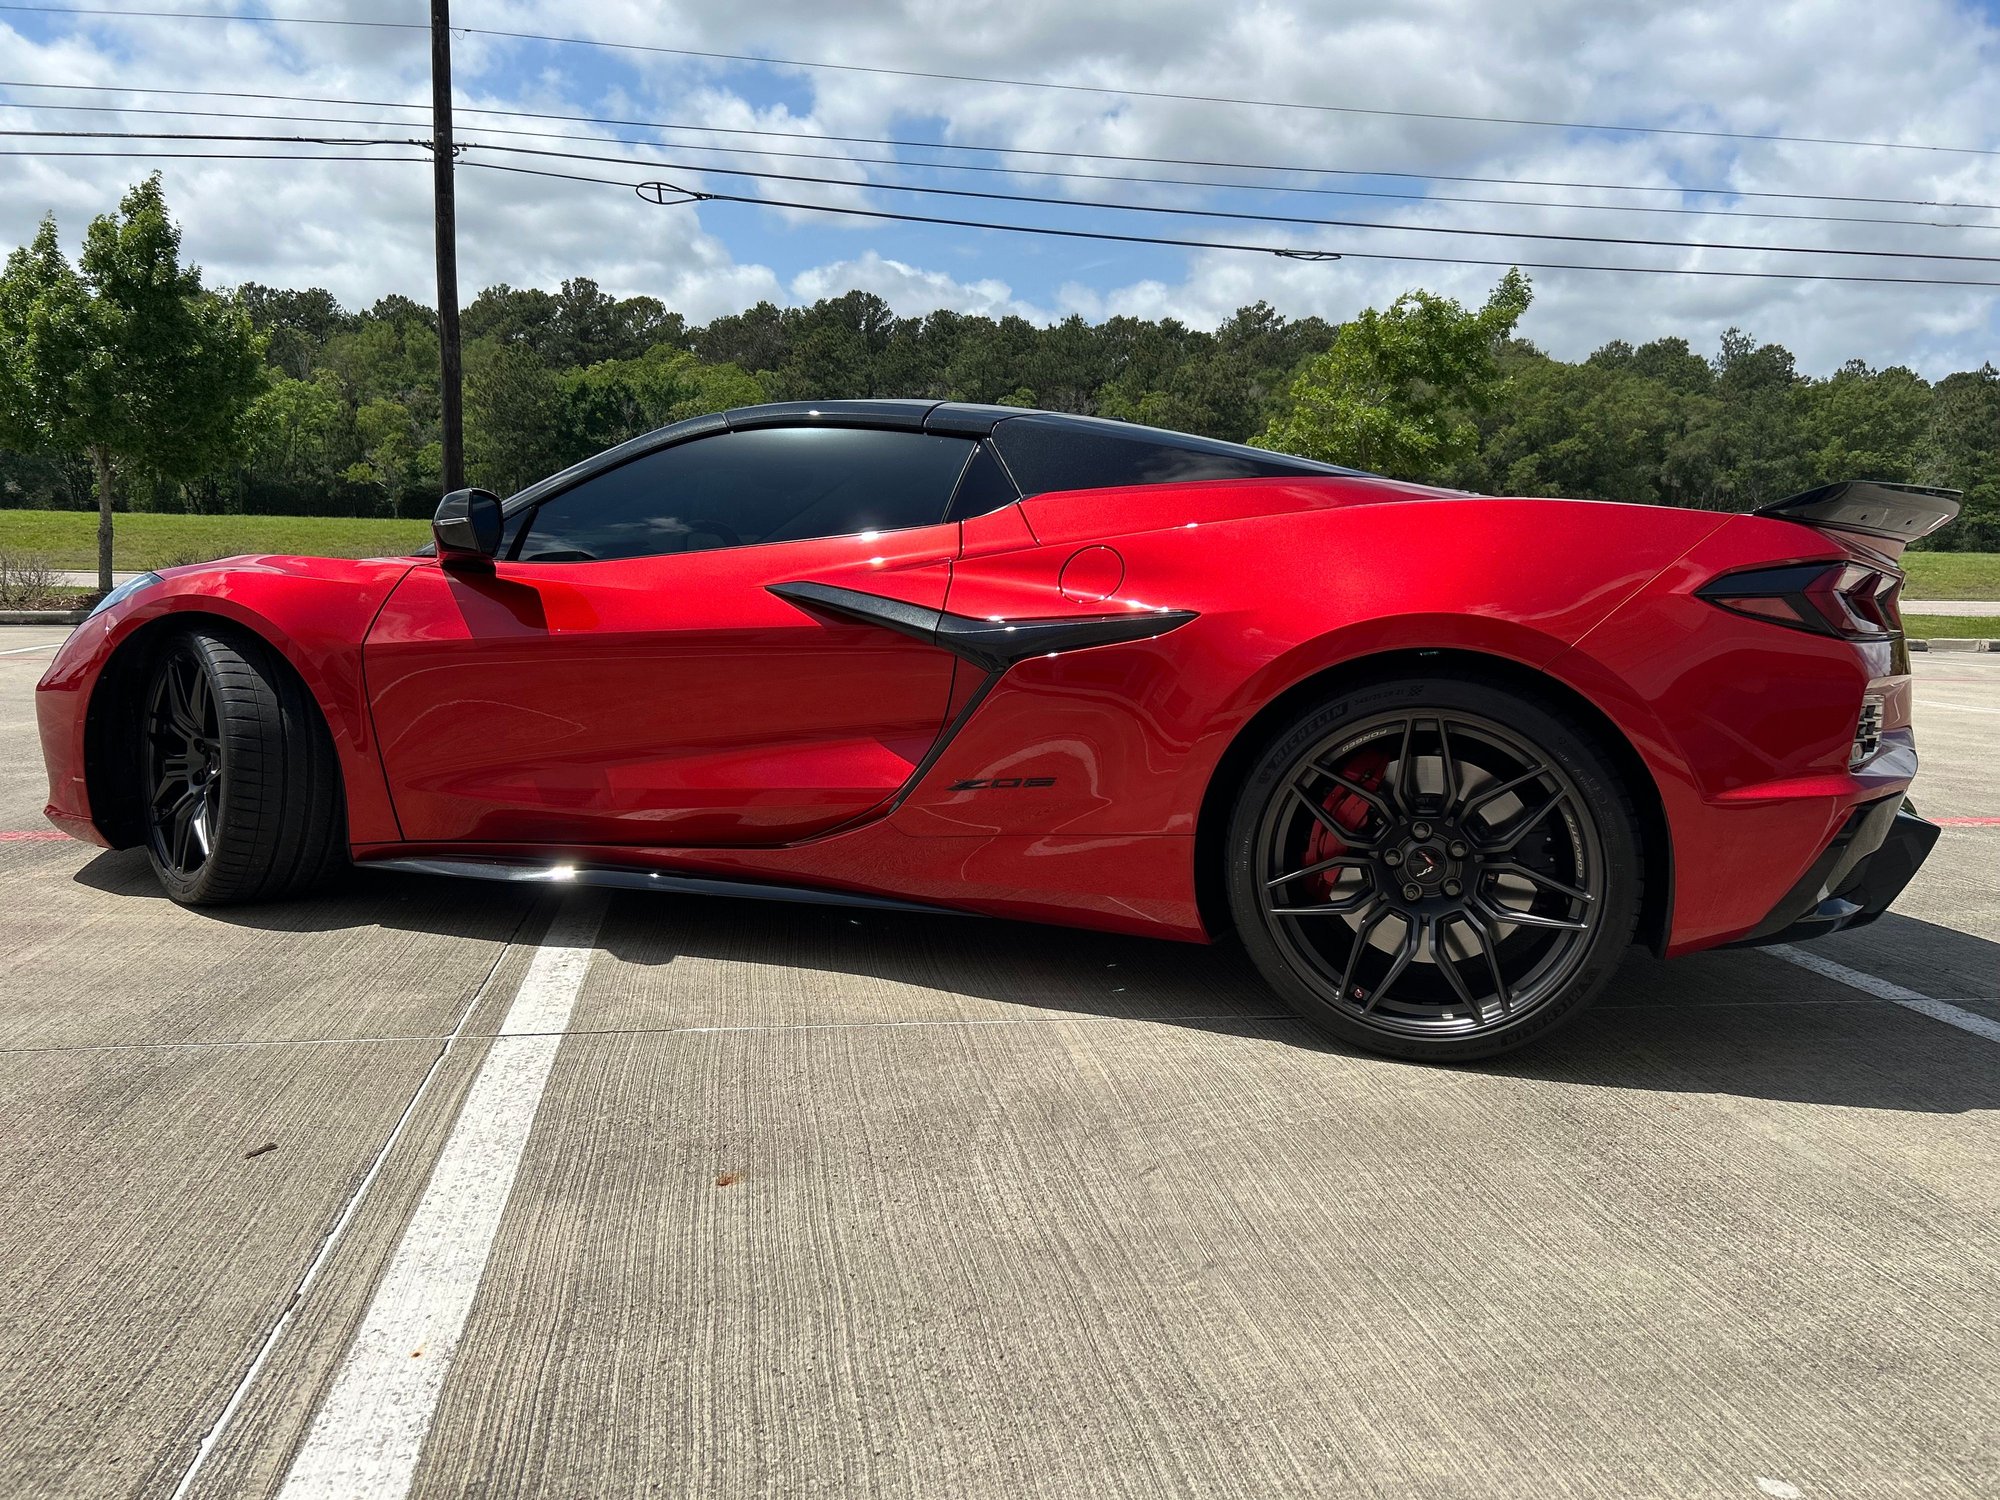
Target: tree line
x: 123, y: 377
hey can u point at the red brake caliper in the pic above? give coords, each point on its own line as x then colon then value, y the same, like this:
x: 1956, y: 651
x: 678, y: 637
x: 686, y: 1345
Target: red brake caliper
x: 1349, y: 811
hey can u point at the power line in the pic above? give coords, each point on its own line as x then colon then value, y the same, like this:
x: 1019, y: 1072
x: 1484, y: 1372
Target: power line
x: 209, y: 155
x: 1242, y: 215
x: 671, y: 196
x: 667, y: 193
x: 953, y: 166
x: 1032, y: 152
x: 1027, y: 83
x: 167, y: 135
x: 1045, y: 201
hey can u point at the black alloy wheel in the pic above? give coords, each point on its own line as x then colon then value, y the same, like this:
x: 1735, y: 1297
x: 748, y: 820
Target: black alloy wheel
x: 239, y: 782
x: 1437, y: 870
x: 183, y: 763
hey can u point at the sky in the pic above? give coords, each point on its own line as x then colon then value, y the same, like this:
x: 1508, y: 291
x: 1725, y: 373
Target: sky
x: 1920, y: 73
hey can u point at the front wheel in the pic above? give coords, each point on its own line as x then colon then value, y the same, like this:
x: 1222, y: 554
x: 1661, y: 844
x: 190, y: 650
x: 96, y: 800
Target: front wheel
x: 239, y: 780
x: 1435, y: 869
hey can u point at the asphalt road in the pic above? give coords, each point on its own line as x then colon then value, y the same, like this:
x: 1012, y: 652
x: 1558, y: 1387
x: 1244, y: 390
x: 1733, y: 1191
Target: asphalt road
x: 450, y: 1189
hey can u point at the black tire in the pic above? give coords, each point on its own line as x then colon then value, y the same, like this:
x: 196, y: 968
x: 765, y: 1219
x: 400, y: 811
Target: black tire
x: 1509, y: 915
x: 239, y: 785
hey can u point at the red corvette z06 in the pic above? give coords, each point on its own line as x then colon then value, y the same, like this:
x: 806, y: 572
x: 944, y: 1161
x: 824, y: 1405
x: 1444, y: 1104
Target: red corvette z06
x: 1436, y: 759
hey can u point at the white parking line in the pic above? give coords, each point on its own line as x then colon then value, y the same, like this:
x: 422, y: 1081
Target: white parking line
x: 1895, y: 994
x: 370, y: 1431
x: 24, y: 650
x: 332, y: 1238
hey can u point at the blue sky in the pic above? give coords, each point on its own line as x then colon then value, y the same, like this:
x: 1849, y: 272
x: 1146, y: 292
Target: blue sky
x: 1922, y: 72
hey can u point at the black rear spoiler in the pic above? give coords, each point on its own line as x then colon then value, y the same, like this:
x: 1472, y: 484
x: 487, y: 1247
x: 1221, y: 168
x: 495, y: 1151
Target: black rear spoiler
x: 1873, y: 507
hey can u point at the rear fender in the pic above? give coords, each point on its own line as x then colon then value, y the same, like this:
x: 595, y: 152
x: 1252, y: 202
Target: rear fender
x: 1745, y: 726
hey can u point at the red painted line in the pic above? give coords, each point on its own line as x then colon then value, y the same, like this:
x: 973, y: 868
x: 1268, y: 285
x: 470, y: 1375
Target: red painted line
x: 30, y: 836
x: 1967, y: 822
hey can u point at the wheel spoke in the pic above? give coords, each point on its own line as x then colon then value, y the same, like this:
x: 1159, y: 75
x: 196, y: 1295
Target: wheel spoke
x: 1454, y: 784
x: 1494, y: 793
x: 1523, y: 825
x: 1507, y: 914
x: 1373, y: 799
x: 1443, y: 959
x: 1342, y: 908
x: 1546, y: 882
x: 174, y: 770
x: 1332, y: 824
x: 183, y: 823
x: 1489, y: 945
x: 1404, y: 788
x: 1413, y: 932
x: 202, y: 816
x: 1361, y: 936
x: 1350, y: 861
x: 180, y: 699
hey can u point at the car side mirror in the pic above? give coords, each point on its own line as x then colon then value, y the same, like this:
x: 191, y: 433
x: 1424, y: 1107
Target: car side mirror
x: 467, y: 526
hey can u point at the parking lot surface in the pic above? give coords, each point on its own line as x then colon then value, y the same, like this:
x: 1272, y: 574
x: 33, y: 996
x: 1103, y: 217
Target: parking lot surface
x: 455, y: 1190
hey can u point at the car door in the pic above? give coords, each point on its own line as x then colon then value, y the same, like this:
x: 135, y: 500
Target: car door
x: 623, y: 675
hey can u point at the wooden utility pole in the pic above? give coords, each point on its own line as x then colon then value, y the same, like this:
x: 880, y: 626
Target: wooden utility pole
x: 451, y: 411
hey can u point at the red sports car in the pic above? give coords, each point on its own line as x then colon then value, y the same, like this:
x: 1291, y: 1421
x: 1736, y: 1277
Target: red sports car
x: 1436, y: 759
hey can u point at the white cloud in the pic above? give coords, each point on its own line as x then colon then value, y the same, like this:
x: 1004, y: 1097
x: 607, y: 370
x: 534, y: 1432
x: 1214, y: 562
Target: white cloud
x: 910, y: 290
x: 1920, y: 71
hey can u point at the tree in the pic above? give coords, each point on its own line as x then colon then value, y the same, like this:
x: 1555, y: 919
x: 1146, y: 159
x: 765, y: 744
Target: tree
x: 1961, y: 450
x: 395, y: 456
x: 44, y: 345
x: 124, y: 358
x: 1865, y: 424
x: 617, y: 399
x: 512, y: 403
x: 294, y: 428
x: 1399, y: 390
x: 295, y: 325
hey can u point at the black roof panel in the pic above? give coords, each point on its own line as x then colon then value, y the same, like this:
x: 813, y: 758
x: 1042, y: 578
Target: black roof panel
x: 904, y: 415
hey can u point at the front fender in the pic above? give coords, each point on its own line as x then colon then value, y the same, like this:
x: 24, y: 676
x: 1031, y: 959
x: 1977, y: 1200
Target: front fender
x: 314, y: 612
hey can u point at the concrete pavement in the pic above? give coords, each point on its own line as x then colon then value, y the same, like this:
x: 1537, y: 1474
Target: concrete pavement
x: 866, y: 1204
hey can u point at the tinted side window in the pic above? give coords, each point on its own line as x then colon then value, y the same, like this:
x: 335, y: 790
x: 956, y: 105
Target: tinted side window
x: 984, y: 488
x: 738, y: 489
x: 1045, y: 454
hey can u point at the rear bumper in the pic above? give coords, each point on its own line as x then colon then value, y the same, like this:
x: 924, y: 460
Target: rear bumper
x: 1871, y: 859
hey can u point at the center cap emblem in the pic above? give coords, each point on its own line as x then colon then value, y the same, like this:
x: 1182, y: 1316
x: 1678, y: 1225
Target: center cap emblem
x: 1422, y: 864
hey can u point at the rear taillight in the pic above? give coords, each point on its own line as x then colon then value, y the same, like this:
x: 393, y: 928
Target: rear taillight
x: 1849, y: 600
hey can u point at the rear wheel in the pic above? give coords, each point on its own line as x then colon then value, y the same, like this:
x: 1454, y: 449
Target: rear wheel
x: 1435, y: 869
x: 238, y: 777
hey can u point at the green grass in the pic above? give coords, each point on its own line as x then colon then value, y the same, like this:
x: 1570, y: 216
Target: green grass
x: 68, y: 538
x: 1952, y: 575
x: 1951, y: 627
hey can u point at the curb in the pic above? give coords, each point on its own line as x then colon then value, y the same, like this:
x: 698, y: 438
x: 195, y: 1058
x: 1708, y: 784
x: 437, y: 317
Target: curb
x: 1971, y: 643
x: 43, y: 616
